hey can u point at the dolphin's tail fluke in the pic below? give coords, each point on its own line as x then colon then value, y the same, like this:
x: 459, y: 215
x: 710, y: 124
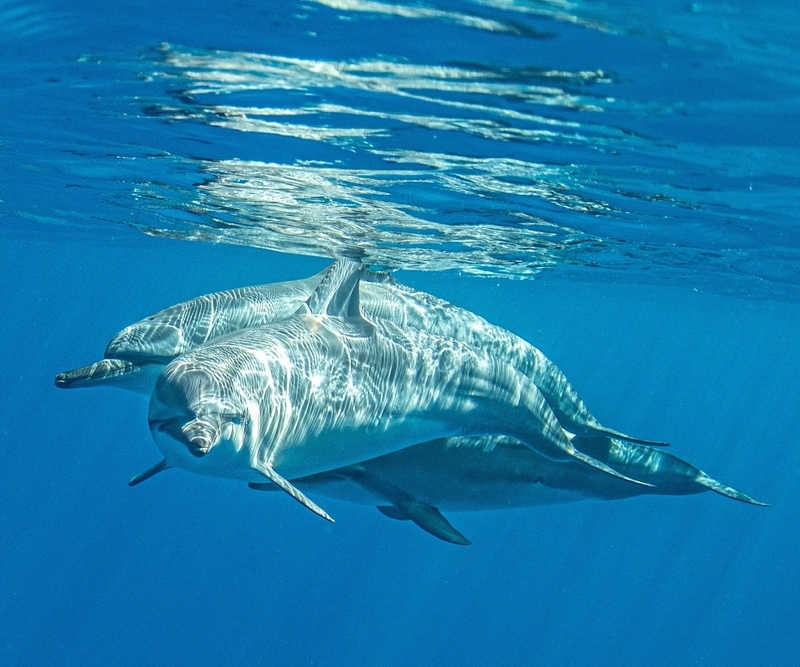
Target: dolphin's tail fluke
x: 666, y: 473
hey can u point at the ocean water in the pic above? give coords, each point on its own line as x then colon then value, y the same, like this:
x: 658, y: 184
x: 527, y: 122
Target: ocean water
x: 616, y: 183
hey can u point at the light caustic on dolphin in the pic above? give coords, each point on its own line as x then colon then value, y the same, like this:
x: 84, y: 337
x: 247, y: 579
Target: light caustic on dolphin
x: 327, y: 388
x: 138, y: 353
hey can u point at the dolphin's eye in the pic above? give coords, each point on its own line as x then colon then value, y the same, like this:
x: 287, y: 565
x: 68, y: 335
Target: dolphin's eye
x: 234, y: 418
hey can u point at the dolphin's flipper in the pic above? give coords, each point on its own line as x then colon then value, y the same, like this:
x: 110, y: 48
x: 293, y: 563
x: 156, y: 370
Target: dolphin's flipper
x: 392, y: 512
x: 293, y: 491
x: 611, y: 433
x: 147, y: 474
x: 594, y: 463
x: 404, y: 506
x: 262, y: 486
x: 427, y: 517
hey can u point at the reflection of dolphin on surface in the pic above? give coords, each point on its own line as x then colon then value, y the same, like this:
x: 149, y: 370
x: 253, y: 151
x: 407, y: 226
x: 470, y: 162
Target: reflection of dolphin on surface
x: 326, y: 388
x: 138, y: 353
x: 418, y: 483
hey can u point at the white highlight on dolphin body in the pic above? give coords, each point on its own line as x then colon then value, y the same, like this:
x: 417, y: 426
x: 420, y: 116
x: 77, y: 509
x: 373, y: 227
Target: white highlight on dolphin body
x: 326, y: 388
x: 138, y: 353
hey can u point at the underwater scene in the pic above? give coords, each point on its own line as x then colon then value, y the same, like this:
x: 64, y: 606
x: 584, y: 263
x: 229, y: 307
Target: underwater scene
x: 452, y: 332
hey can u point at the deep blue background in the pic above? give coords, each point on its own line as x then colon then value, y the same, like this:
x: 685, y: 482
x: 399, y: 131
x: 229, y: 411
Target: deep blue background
x: 186, y: 570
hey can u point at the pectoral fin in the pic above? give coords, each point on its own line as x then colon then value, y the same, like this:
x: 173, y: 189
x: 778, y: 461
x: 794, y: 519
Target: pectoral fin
x: 594, y: 463
x: 293, y: 491
x: 147, y: 474
x: 611, y: 433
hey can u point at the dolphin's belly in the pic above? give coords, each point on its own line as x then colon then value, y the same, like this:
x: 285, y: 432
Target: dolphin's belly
x: 346, y: 446
x: 467, y: 498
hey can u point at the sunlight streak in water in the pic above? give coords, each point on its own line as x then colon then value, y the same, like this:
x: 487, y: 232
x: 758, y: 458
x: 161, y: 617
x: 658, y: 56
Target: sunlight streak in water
x: 325, y: 211
x: 418, y: 12
x: 460, y: 214
x: 435, y: 169
x: 488, y: 136
x: 230, y: 72
x: 560, y: 10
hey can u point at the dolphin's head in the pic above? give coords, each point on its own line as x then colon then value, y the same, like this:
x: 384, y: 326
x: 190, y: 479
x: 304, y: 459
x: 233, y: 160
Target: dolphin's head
x: 199, y: 417
x: 148, y: 342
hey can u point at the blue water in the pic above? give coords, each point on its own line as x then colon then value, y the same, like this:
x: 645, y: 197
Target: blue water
x: 618, y: 184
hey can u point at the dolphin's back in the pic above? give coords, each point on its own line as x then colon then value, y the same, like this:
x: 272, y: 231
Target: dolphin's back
x: 342, y: 398
x: 173, y: 331
x: 177, y: 329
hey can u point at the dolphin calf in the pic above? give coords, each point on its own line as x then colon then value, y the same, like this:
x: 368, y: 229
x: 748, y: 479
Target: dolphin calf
x: 138, y: 353
x: 327, y: 388
x: 466, y: 474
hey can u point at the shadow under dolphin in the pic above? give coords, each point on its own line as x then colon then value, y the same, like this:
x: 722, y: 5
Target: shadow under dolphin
x: 421, y: 482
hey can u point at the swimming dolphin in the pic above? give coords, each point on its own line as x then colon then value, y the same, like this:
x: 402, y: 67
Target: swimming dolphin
x: 466, y: 474
x: 138, y: 353
x: 327, y: 388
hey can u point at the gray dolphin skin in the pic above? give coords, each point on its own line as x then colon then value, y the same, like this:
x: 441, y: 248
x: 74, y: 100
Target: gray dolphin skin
x: 290, y: 381
x: 138, y: 353
x: 497, y: 472
x: 327, y: 388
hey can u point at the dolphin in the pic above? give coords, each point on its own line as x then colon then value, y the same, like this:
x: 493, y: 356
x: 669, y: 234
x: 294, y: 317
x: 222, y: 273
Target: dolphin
x: 497, y: 472
x: 136, y: 355
x: 327, y: 388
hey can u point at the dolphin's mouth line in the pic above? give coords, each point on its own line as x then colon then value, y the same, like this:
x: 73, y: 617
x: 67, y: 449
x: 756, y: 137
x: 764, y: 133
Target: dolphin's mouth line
x: 197, y: 441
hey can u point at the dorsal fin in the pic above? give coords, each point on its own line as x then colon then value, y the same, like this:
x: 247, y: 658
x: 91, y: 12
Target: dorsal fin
x: 338, y: 296
x: 432, y: 521
x: 392, y: 512
x: 405, y: 506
